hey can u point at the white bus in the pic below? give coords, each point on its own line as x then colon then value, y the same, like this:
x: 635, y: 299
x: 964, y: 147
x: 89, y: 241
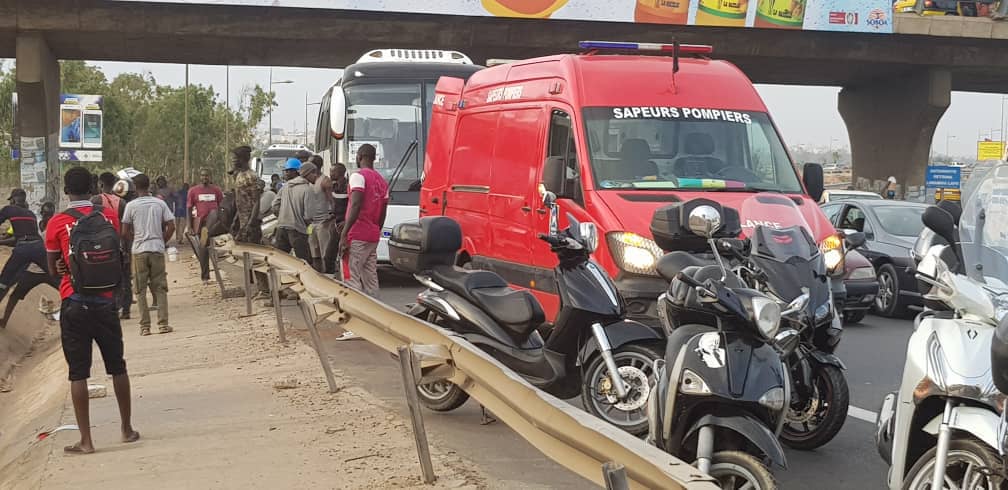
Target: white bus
x: 385, y: 99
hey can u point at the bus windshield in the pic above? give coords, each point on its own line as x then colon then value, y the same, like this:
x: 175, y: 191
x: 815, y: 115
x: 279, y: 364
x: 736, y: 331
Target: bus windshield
x: 391, y: 118
x: 671, y: 147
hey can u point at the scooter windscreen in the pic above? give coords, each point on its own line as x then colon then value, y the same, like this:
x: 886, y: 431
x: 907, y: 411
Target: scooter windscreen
x: 782, y: 246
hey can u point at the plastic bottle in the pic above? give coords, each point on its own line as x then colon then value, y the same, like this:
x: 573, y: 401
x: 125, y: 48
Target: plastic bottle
x: 662, y: 11
x: 780, y: 14
x: 729, y: 13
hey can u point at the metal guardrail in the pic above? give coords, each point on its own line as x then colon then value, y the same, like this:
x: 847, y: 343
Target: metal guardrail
x: 564, y: 433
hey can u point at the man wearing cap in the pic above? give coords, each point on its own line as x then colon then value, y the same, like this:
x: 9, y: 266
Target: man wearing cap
x: 291, y: 207
x: 246, y: 225
x: 28, y: 248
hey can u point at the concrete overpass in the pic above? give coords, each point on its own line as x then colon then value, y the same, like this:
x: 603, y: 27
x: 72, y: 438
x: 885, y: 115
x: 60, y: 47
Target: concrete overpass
x: 895, y: 87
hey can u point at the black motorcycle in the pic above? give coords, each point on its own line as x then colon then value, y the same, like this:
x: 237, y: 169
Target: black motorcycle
x: 591, y: 349
x: 722, y: 387
x: 782, y: 260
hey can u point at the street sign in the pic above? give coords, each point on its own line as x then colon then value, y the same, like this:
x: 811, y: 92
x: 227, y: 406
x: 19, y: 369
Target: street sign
x: 942, y: 177
x: 990, y: 150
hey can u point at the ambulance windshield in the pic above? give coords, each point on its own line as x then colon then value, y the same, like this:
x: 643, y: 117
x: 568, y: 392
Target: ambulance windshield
x: 674, y: 148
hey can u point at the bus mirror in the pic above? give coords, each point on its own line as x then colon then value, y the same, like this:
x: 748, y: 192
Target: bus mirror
x: 337, y: 113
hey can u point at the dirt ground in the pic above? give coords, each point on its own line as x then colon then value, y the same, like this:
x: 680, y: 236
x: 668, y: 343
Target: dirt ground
x: 219, y: 404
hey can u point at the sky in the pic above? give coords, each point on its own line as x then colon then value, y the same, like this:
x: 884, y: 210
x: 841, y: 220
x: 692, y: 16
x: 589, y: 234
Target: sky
x: 805, y: 115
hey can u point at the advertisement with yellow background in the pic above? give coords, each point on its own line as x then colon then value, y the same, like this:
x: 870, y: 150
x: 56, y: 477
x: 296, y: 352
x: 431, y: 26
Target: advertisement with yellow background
x: 868, y: 16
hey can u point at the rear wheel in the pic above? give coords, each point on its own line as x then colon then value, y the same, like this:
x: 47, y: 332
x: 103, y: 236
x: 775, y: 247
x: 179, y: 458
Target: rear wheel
x: 815, y: 421
x: 736, y: 470
x: 635, y: 363
x: 440, y: 396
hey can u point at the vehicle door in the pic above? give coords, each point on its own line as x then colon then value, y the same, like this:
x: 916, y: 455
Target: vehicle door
x: 832, y: 212
x: 855, y: 218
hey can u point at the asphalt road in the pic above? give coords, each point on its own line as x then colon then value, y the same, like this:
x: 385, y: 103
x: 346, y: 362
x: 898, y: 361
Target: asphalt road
x: 873, y: 351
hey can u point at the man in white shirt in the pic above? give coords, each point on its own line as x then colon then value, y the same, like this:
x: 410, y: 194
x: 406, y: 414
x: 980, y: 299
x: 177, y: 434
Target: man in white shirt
x: 149, y: 223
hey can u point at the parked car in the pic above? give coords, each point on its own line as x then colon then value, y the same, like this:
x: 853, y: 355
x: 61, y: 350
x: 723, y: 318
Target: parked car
x: 890, y: 229
x: 861, y: 287
x: 831, y: 195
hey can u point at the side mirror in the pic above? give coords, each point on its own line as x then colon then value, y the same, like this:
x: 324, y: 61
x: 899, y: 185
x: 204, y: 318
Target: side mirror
x: 855, y: 239
x: 549, y: 199
x: 553, y: 174
x: 704, y: 221
x: 589, y: 236
x: 941, y: 222
x: 549, y: 202
x: 337, y: 113
x: 812, y: 177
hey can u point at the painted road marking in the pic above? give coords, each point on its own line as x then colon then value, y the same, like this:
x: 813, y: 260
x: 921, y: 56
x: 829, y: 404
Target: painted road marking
x: 862, y: 414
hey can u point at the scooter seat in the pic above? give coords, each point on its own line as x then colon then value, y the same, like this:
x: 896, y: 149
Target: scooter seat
x: 517, y: 311
x: 673, y: 262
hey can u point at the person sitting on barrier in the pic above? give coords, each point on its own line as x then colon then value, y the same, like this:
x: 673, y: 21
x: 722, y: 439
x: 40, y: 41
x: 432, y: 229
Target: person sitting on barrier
x: 202, y: 199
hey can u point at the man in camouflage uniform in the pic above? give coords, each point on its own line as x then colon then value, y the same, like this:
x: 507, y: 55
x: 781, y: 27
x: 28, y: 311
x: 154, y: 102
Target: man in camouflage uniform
x: 246, y: 226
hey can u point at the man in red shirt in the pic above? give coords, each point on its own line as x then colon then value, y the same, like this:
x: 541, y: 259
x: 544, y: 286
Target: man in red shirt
x: 86, y: 318
x: 203, y: 199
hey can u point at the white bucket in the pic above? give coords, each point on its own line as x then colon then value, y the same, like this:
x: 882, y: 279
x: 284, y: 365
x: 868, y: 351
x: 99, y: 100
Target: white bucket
x: 172, y: 254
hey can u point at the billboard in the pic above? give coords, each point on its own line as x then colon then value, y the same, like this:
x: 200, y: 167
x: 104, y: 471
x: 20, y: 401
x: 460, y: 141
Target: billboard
x: 868, y: 16
x: 81, y: 125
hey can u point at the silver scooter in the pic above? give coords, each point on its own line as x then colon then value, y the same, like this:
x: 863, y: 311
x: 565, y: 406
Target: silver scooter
x: 942, y: 429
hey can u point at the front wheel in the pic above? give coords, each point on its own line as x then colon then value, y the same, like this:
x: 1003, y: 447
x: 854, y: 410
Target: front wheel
x: 736, y: 470
x: 814, y: 421
x: 635, y: 364
x: 969, y: 464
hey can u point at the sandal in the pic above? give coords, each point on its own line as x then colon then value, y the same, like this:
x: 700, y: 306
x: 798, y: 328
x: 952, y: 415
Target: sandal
x: 144, y: 331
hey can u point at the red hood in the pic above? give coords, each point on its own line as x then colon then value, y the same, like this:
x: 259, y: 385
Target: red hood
x: 634, y: 208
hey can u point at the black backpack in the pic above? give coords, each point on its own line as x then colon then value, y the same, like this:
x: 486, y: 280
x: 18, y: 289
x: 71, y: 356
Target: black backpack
x: 95, y: 255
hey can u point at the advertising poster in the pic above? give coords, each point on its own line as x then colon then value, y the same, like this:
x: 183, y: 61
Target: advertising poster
x: 866, y: 16
x: 80, y: 121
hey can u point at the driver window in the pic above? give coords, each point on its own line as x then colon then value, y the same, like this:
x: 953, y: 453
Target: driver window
x: 854, y: 219
x: 831, y: 211
x: 563, y: 147
x: 761, y: 154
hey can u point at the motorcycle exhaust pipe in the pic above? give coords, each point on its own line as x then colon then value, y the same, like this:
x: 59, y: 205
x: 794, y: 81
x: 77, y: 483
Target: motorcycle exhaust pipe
x: 606, y: 348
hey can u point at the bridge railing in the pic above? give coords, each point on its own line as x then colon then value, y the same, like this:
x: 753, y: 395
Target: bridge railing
x: 564, y: 433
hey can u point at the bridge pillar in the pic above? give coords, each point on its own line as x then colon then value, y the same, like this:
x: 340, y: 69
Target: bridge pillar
x: 891, y: 123
x: 38, y: 89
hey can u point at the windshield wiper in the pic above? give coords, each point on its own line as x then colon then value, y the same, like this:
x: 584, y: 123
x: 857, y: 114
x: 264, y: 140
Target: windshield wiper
x: 394, y: 179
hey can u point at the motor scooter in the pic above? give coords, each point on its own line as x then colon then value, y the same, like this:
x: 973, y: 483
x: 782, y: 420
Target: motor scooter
x: 591, y: 349
x: 945, y: 427
x: 722, y: 388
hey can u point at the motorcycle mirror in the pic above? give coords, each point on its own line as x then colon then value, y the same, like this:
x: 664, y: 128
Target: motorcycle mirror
x: 854, y: 240
x: 941, y: 222
x: 928, y: 265
x: 704, y: 221
x: 589, y: 235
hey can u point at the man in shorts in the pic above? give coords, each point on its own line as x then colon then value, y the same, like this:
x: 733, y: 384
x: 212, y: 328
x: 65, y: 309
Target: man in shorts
x: 87, y: 319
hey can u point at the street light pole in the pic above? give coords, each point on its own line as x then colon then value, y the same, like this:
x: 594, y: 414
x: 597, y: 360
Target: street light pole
x: 271, y: 84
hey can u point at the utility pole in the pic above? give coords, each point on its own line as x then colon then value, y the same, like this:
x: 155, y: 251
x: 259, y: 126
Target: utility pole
x: 227, y: 112
x: 185, y: 151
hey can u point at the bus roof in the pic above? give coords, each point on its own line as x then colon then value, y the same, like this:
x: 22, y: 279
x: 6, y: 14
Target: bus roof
x: 415, y: 56
x: 358, y: 73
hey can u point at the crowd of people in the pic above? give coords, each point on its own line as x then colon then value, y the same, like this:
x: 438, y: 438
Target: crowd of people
x: 110, y: 245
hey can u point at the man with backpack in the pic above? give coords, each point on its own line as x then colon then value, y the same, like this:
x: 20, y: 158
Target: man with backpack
x: 109, y: 199
x: 148, y: 223
x: 82, y: 245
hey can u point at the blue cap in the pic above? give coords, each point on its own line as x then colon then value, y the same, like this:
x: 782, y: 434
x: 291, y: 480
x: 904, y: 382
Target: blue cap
x: 293, y: 164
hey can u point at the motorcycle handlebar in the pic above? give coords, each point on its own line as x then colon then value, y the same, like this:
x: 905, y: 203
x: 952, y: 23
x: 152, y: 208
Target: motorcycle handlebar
x: 688, y: 280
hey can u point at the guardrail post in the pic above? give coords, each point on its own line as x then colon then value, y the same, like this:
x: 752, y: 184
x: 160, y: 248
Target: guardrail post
x: 309, y: 318
x: 274, y: 286
x: 410, y: 373
x: 615, y: 476
x: 247, y: 281
x: 212, y: 252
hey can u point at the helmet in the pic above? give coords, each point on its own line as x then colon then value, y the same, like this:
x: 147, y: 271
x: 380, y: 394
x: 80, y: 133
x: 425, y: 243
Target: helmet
x: 122, y: 187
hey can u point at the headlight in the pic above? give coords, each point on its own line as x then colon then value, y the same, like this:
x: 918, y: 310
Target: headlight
x: 773, y: 399
x: 822, y: 311
x: 766, y: 315
x: 634, y: 253
x: 833, y: 253
x: 862, y: 274
x: 693, y: 384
